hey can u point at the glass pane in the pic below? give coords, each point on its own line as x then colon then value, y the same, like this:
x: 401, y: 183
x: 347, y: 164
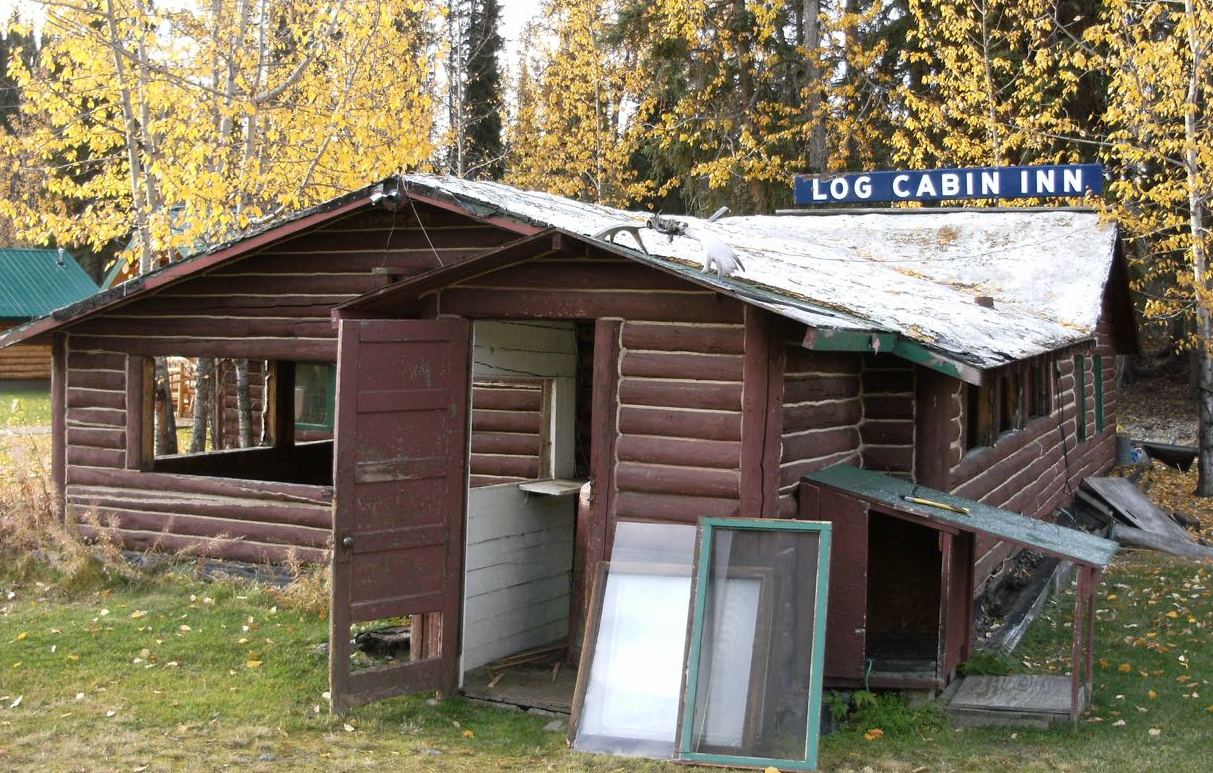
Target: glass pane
x: 752, y: 669
x: 637, y: 542
x: 314, y: 383
x: 633, y: 686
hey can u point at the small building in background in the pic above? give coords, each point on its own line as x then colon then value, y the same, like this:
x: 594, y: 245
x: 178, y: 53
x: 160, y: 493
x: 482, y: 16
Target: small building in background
x: 33, y: 283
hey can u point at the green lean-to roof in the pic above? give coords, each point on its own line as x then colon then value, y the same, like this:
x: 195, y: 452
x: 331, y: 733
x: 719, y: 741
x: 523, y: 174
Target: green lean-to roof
x: 888, y: 491
x: 34, y: 282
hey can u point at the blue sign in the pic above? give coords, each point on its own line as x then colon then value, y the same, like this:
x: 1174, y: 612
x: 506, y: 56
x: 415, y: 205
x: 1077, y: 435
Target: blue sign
x: 1003, y: 182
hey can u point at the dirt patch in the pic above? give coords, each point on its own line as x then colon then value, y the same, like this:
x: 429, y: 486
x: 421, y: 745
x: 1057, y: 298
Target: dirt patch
x: 1158, y: 408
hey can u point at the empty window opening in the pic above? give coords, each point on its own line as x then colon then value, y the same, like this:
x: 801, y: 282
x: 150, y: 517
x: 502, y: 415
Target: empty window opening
x: 250, y: 419
x: 904, y: 565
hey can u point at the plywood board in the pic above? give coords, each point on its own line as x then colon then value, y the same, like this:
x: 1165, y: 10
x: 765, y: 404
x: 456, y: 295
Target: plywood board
x: 1019, y: 693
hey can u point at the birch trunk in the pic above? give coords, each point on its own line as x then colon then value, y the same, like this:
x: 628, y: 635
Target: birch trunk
x: 203, y: 377
x: 166, y: 420
x: 1200, y: 258
x: 244, y: 405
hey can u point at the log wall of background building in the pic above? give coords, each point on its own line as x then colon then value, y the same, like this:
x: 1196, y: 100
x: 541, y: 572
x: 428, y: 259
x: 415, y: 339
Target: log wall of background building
x: 24, y: 361
x: 273, y: 304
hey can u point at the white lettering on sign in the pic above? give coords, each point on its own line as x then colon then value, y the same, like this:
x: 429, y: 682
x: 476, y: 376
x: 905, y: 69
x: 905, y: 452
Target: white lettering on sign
x: 926, y: 188
x: 863, y: 187
x: 949, y: 184
x: 1045, y: 182
x: 989, y: 184
x: 899, y: 185
x: 839, y: 187
x: 1071, y: 181
x: 818, y: 193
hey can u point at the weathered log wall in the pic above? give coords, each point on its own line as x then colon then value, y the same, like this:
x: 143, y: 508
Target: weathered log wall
x: 823, y: 410
x: 677, y: 455
x: 1038, y: 468
x: 887, y: 431
x: 24, y: 361
x: 272, y: 304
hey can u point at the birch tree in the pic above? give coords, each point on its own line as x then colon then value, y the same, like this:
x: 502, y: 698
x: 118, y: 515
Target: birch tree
x: 1160, y: 146
x: 993, y: 80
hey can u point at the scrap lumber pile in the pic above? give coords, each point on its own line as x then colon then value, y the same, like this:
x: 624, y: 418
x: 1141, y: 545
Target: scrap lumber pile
x: 1136, y: 520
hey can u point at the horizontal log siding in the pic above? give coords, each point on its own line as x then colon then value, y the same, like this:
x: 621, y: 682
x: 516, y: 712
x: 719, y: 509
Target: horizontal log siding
x: 822, y: 417
x: 276, y: 303
x: 679, y: 447
x: 507, y: 432
x: 1037, y: 469
x: 887, y: 430
x: 272, y: 304
x: 25, y: 361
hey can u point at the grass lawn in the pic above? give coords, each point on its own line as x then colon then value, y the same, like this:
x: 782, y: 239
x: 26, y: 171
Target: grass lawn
x: 171, y: 672
x: 24, y: 404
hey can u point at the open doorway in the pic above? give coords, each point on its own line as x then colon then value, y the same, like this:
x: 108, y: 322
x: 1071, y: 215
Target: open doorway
x: 904, y: 562
x: 528, y: 461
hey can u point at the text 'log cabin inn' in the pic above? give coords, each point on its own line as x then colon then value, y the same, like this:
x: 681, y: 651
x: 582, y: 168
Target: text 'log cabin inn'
x: 463, y: 395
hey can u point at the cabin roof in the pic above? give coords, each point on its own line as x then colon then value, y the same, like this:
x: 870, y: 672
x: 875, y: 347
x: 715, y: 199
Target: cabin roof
x: 917, y: 276
x: 33, y: 282
x: 890, y: 492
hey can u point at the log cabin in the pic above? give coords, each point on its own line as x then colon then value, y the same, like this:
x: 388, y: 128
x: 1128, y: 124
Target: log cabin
x: 509, y: 386
x: 34, y: 282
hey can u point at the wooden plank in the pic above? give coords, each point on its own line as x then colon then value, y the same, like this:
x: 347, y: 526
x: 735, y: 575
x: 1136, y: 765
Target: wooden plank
x: 721, y: 454
x: 756, y: 366
x: 701, y: 367
x: 233, y: 549
x: 597, y: 514
x: 211, y: 326
x: 670, y: 393
x: 167, y: 503
x: 1028, y: 693
x: 198, y: 484
x: 669, y: 507
x: 669, y: 422
x: 658, y: 306
x: 140, y: 405
x: 707, y: 339
x: 188, y: 525
x: 686, y: 481
x: 322, y: 349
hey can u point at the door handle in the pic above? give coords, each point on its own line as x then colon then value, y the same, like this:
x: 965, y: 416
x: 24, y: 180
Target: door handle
x: 347, y: 542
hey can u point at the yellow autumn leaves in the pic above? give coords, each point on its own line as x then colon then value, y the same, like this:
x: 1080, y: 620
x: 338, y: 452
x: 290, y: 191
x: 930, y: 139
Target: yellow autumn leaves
x: 189, y: 122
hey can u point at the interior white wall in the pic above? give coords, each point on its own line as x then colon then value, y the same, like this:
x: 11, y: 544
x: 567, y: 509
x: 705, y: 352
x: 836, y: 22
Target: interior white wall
x: 519, y: 552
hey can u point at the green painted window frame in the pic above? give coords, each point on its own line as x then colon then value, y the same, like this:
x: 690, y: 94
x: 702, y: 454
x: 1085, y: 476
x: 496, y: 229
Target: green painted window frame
x: 699, y: 597
x: 1097, y: 380
x: 330, y: 403
x: 1080, y: 395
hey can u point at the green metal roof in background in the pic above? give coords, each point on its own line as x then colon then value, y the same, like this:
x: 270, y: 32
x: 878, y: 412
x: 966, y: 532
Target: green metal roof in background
x: 33, y: 283
x: 888, y: 491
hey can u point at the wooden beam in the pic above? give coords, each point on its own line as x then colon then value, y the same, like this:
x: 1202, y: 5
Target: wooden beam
x: 59, y: 344
x: 282, y: 404
x: 140, y: 407
x: 761, y: 420
x: 920, y: 355
x: 595, y: 521
x: 820, y: 339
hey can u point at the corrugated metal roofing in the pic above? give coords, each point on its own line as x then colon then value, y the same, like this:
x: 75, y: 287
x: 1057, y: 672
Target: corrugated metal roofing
x: 917, y: 276
x: 883, y: 489
x: 33, y: 283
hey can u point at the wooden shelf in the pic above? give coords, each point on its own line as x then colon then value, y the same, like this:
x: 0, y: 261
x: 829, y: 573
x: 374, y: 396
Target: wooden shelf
x: 554, y: 487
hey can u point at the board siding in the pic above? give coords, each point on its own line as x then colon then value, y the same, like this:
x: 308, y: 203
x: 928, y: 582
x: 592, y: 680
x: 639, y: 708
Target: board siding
x: 519, y: 572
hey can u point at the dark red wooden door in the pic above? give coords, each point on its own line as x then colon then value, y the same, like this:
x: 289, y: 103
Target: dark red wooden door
x: 400, y: 475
